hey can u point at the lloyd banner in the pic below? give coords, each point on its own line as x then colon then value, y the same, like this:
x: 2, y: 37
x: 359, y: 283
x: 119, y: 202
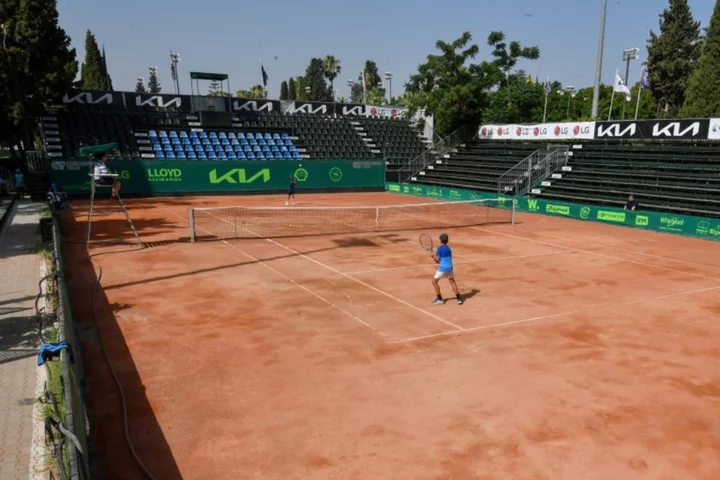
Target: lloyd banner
x: 385, y: 112
x: 691, y: 129
x: 542, y: 131
x: 147, y: 178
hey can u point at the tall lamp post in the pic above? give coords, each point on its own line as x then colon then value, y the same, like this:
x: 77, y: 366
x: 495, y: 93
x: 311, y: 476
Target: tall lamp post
x: 389, y: 77
x: 571, y: 92
x: 174, y: 60
x: 598, y: 62
x: 629, y: 54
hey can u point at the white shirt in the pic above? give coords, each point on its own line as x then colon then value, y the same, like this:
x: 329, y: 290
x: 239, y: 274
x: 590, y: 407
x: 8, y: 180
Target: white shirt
x: 100, y: 169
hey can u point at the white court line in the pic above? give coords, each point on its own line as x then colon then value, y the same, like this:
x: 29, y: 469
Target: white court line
x: 609, y: 306
x: 617, y: 248
x: 484, y: 260
x: 302, y: 287
x: 357, y: 280
x: 548, y: 244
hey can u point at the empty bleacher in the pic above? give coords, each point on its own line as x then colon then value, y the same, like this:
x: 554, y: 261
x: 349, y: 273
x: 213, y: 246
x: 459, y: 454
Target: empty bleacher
x: 682, y: 178
x: 221, y: 145
x: 395, y: 139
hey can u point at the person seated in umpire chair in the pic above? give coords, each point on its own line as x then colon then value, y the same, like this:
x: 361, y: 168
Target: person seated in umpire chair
x: 101, y: 175
x: 631, y: 204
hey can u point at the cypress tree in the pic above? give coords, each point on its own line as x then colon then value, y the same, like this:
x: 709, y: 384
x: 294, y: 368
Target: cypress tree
x: 93, y: 71
x: 140, y: 86
x: 672, y: 54
x: 153, y: 84
x: 284, y: 94
x: 292, y: 91
x: 702, y: 98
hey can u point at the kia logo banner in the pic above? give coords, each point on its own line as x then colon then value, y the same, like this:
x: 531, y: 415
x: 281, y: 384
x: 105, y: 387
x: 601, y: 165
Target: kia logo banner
x: 689, y: 129
x: 542, y: 131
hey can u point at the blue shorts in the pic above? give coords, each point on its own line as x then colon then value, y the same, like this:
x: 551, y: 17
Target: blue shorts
x: 291, y: 191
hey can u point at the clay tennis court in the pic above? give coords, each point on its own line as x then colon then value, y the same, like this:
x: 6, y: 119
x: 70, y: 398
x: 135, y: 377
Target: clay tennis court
x: 583, y: 351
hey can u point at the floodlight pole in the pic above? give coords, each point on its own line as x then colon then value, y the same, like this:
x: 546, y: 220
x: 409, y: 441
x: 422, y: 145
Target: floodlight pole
x: 598, y: 63
x: 629, y: 54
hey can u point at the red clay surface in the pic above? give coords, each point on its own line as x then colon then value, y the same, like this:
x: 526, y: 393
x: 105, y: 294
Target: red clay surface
x: 583, y: 351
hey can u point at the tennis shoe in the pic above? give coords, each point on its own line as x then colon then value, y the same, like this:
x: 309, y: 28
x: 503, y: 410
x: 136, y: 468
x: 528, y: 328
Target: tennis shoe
x: 460, y: 301
x: 438, y: 301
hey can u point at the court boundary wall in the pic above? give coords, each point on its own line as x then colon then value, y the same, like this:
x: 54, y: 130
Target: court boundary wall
x: 687, y: 225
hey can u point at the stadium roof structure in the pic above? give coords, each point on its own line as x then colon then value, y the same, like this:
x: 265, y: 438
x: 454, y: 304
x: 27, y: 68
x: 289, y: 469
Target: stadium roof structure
x: 221, y: 77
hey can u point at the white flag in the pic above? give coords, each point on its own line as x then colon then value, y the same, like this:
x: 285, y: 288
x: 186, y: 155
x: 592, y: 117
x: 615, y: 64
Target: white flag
x: 621, y: 87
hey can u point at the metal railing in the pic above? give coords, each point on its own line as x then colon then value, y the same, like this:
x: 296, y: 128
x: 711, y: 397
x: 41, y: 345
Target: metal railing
x: 535, y: 168
x: 422, y: 161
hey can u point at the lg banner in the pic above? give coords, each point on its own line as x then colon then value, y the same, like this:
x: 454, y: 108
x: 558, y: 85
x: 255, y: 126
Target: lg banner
x: 386, y: 112
x: 543, y: 131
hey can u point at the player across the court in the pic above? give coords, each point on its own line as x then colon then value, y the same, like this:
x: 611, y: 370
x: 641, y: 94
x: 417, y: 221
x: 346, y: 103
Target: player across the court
x: 443, y: 257
x: 291, y: 191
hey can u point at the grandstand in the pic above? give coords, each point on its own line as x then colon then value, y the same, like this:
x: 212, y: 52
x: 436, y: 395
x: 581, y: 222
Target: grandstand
x: 671, y: 173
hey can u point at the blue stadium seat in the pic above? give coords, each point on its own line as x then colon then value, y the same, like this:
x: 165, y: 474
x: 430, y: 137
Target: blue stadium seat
x: 186, y: 141
x: 241, y: 155
x: 222, y: 156
x: 244, y: 142
x: 234, y: 142
x: 188, y: 148
x: 159, y: 155
x: 257, y: 148
x: 276, y: 136
x: 250, y: 135
x: 285, y: 136
x: 248, y: 148
x: 228, y: 148
x: 154, y: 140
x: 231, y: 135
x: 219, y: 148
x: 262, y: 142
x: 232, y: 156
x: 253, y: 142
x: 266, y: 149
x: 222, y: 135
x: 251, y: 156
x: 173, y: 134
x: 209, y: 148
x: 206, y: 141
x: 280, y: 142
x: 152, y: 133
x: 196, y: 141
x: 178, y: 148
x: 225, y: 141
x: 289, y: 143
x: 175, y: 141
x: 199, y: 148
x: 283, y: 149
x: 238, y: 148
x: 202, y: 156
x: 296, y: 155
x: 292, y: 148
x: 183, y: 135
x: 203, y: 135
x: 211, y: 156
x: 271, y: 142
x: 286, y: 154
x: 260, y: 156
x: 168, y: 148
x: 157, y: 146
x: 268, y: 136
x: 165, y: 141
x: 277, y: 155
x: 240, y: 135
x: 275, y: 149
x: 181, y: 155
x: 191, y: 156
x: 162, y: 134
x: 193, y: 135
x: 170, y: 154
x: 215, y: 141
x: 213, y: 135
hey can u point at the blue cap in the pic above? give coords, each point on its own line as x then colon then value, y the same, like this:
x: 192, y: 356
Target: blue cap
x: 443, y: 237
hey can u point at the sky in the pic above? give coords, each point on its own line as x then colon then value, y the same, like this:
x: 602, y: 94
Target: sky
x: 231, y: 36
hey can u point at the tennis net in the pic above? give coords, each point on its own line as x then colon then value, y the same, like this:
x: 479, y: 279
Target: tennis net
x: 224, y: 223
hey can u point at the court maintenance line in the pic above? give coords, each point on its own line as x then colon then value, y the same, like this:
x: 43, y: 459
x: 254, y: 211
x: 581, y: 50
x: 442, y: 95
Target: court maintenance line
x: 357, y: 280
x: 634, y: 252
x: 297, y: 284
x: 608, y: 306
x: 555, y: 245
x: 484, y: 260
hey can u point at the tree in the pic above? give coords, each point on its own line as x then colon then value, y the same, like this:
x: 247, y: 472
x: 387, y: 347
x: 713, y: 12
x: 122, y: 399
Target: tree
x: 315, y: 79
x: 93, y: 75
x: 153, y: 84
x: 108, y: 80
x: 300, y: 88
x: 518, y: 101
x: 140, y: 85
x: 37, y: 67
x: 332, y: 69
x: 702, y: 98
x: 672, y: 55
x: 256, y: 91
x: 284, y: 93
x: 372, y: 77
x: 214, y: 89
x: 449, y: 86
x: 373, y: 86
x: 292, y: 90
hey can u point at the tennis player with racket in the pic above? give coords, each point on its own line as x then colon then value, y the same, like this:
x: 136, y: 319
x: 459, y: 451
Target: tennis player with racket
x: 291, y: 191
x: 443, y: 257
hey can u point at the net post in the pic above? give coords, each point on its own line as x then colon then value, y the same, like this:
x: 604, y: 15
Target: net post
x: 512, y: 215
x: 191, y: 218
x: 377, y: 217
x: 235, y: 222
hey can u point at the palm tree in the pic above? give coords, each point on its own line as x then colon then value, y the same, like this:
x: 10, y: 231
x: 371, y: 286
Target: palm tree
x: 332, y: 70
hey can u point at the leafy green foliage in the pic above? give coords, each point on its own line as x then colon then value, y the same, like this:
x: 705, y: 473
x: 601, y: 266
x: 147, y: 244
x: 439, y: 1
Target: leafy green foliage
x: 332, y: 70
x: 517, y: 101
x: 93, y: 69
x: 506, y: 59
x: 214, y: 89
x: 153, y: 85
x: 292, y: 90
x: 702, y: 98
x: 284, y: 95
x: 314, y: 79
x: 256, y: 91
x: 37, y: 67
x: 140, y: 86
x: 375, y: 93
x: 672, y: 55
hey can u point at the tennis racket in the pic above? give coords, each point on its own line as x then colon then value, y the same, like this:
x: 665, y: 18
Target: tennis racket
x: 426, y: 242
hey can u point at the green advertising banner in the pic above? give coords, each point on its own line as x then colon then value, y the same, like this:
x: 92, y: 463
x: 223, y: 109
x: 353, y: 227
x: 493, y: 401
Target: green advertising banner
x: 141, y: 177
x: 706, y: 228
